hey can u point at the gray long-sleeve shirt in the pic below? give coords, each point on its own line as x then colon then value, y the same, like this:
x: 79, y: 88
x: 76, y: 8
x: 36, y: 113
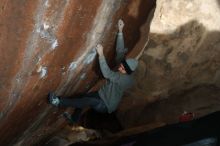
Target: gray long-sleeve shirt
x: 112, y: 91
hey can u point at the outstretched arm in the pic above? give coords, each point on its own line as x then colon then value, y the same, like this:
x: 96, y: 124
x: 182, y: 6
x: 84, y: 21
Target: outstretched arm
x: 120, y: 48
x: 106, y: 71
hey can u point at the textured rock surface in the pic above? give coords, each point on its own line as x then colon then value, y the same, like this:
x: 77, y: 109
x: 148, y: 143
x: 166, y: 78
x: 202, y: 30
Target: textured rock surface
x: 48, y: 45
x: 183, y: 53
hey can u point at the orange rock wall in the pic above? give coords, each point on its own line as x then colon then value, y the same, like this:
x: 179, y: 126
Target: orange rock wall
x: 47, y: 45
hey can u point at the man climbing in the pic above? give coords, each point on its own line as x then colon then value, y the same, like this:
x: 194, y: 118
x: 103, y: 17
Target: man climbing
x: 107, y: 98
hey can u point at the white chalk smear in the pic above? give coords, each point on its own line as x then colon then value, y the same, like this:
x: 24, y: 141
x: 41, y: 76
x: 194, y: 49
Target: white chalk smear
x: 45, y: 33
x: 73, y: 65
x: 39, y: 59
x: 83, y: 76
x: 47, y: 3
x: 18, y: 80
x: 54, y: 44
x: 42, y: 71
x: 38, y: 29
x: 90, y: 56
x: 46, y: 26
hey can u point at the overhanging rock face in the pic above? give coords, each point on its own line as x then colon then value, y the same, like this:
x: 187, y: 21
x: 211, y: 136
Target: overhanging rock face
x: 47, y: 45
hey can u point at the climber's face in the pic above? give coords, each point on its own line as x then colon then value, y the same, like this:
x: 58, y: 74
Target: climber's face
x: 121, y: 68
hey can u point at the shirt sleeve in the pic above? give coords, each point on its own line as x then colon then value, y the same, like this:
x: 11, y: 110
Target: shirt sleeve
x: 107, y: 72
x: 120, y: 48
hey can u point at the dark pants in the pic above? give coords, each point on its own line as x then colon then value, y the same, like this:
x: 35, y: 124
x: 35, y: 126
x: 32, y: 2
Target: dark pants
x: 92, y: 100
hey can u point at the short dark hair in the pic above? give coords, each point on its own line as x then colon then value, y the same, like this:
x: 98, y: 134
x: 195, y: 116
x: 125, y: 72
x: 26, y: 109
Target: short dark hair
x: 126, y: 66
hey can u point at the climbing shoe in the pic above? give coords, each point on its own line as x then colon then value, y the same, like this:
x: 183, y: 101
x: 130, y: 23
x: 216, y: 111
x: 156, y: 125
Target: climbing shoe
x: 53, y: 99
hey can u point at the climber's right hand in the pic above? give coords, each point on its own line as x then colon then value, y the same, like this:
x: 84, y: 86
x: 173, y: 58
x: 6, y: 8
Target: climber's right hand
x: 120, y: 25
x: 99, y: 49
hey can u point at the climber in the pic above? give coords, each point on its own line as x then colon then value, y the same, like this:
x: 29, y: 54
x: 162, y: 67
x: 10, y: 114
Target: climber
x: 107, y: 98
